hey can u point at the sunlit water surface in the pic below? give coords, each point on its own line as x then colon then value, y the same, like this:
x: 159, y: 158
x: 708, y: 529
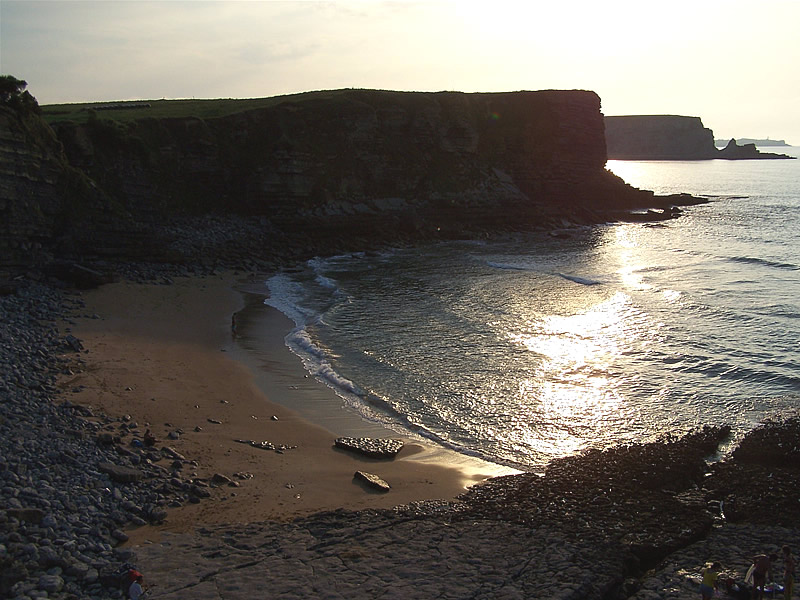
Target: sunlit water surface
x: 530, y: 347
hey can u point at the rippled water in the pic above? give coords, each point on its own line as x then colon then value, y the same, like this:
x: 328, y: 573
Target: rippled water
x: 530, y: 347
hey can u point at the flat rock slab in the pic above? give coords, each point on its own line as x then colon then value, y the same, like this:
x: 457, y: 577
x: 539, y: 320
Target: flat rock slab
x: 372, y: 447
x: 373, y: 481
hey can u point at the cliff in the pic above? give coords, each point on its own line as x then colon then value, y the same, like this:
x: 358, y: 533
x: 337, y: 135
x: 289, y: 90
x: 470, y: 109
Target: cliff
x: 670, y: 137
x: 658, y: 137
x: 736, y: 151
x: 323, y: 166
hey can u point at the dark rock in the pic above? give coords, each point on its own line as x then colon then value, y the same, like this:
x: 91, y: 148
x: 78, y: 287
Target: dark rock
x: 74, y: 343
x: 157, y: 514
x: 51, y: 583
x: 219, y: 479
x: 77, y: 275
x: 31, y: 515
x: 372, y: 481
x: 372, y: 447
x: 119, y: 473
x: 733, y: 151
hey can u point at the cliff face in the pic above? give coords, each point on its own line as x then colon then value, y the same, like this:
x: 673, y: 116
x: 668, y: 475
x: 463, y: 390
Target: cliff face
x: 29, y: 197
x: 362, y: 153
x: 658, y: 137
x: 368, y: 163
x: 41, y: 197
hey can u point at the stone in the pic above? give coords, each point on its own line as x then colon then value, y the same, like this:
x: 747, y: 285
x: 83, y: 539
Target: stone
x: 119, y: 473
x: 105, y: 438
x: 219, y: 479
x: 172, y: 453
x: 51, y: 583
x: 31, y: 515
x: 372, y: 481
x: 157, y: 514
x: 119, y: 535
x: 372, y: 447
x: 74, y: 343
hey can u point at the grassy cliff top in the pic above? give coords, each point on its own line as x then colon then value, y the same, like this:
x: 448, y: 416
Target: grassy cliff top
x: 130, y: 110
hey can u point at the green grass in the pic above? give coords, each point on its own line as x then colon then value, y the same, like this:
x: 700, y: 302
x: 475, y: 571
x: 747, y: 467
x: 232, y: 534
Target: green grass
x: 165, y: 109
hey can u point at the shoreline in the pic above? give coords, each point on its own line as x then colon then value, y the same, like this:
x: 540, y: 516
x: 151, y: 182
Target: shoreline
x: 279, y: 373
x: 634, y: 522
x: 147, y: 357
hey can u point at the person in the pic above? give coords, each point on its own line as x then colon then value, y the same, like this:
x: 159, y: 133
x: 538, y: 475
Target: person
x: 135, y: 592
x: 762, y: 567
x: 710, y: 575
x: 788, y: 573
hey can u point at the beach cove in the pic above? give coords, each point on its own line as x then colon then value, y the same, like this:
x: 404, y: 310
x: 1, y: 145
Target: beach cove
x: 241, y: 494
x: 162, y: 354
x: 579, y: 532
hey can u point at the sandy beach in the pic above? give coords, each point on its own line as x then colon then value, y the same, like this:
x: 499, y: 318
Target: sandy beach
x: 166, y: 356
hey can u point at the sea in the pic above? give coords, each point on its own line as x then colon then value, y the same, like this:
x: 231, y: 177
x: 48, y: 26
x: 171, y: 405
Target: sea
x: 528, y: 347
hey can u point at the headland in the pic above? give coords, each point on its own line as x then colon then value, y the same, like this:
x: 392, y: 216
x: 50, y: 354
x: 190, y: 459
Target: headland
x: 673, y: 137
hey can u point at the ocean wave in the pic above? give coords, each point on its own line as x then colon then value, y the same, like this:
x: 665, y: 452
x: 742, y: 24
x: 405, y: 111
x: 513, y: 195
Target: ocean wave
x: 285, y: 294
x: 580, y: 280
x: 764, y: 262
x: 532, y: 268
x: 726, y: 371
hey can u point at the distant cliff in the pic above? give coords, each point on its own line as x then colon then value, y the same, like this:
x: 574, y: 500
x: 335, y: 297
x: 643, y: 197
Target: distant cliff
x: 757, y: 142
x: 670, y: 137
x: 325, y: 166
x: 658, y: 137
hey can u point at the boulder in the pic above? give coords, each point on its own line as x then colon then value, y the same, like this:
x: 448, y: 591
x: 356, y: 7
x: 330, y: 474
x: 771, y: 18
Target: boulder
x: 74, y: 343
x: 51, y: 583
x: 219, y: 479
x: 372, y: 481
x: 372, y: 447
x: 119, y: 473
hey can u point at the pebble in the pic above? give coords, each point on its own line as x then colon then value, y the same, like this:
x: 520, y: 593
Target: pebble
x: 61, y: 518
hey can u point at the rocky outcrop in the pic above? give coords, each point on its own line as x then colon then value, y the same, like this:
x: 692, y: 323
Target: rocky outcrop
x: 734, y: 151
x: 670, y: 137
x: 757, y: 142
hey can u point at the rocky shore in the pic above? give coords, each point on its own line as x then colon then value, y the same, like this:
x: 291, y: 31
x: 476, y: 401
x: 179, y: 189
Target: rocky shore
x: 636, y: 521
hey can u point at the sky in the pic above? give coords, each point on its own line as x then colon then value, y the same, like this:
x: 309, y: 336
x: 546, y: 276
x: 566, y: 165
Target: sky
x: 734, y: 63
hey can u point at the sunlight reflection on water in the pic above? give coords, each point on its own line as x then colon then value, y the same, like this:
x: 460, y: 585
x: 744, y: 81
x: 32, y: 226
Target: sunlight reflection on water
x: 571, y: 392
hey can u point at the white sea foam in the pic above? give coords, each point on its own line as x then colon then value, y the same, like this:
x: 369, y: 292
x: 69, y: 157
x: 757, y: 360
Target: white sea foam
x: 286, y: 295
x: 581, y: 280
